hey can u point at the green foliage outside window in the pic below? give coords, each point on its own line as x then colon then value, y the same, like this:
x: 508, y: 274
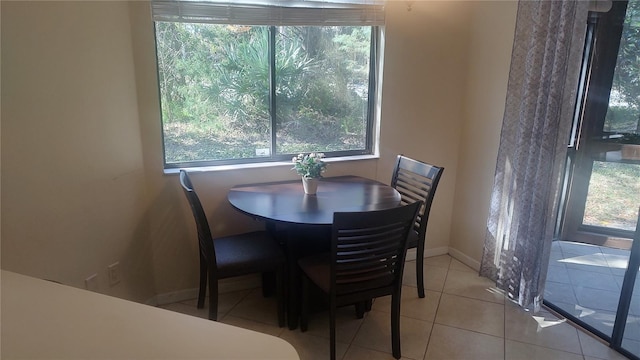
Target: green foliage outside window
x: 623, y: 115
x: 215, y: 90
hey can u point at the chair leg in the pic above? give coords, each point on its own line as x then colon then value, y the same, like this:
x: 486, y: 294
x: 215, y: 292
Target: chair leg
x: 360, y: 309
x: 395, y: 325
x: 268, y: 282
x: 368, y: 304
x: 280, y: 295
x: 213, y: 298
x: 304, y: 308
x: 332, y: 329
x: 420, y: 268
x: 202, y: 292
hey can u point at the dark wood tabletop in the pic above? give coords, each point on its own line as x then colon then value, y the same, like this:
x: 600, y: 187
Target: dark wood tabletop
x: 286, y: 202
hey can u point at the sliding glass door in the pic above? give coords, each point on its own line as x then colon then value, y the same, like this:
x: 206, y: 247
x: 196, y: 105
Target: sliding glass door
x: 588, y: 279
x: 626, y: 330
x: 604, y: 187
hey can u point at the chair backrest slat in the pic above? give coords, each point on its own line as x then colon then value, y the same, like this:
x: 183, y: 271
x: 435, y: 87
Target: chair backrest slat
x: 369, y: 248
x: 416, y: 180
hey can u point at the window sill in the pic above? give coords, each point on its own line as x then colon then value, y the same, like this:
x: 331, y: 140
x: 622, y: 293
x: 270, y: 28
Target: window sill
x: 264, y: 164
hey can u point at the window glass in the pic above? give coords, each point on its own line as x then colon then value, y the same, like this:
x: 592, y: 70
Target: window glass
x: 322, y: 77
x: 214, y: 86
x: 240, y: 93
x: 623, y: 113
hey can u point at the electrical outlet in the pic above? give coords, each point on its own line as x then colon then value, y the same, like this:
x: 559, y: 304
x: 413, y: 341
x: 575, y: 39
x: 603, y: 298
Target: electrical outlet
x: 91, y: 283
x: 113, y: 271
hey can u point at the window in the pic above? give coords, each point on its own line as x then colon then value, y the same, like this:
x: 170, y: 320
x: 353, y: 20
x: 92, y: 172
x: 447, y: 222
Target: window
x: 257, y: 81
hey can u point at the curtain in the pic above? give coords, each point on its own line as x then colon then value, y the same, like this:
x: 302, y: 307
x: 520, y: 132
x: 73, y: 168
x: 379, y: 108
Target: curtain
x: 541, y: 95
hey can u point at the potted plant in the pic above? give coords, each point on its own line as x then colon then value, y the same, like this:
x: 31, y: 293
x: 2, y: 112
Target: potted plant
x: 310, y: 167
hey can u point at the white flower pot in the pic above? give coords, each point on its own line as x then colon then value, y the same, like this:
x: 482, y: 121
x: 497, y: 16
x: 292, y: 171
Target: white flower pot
x: 310, y: 186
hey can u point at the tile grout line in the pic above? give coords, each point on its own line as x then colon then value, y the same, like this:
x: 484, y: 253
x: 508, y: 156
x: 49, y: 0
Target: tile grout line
x: 355, y: 334
x: 433, y: 323
x: 504, y: 330
x: 242, y: 298
x: 435, y: 316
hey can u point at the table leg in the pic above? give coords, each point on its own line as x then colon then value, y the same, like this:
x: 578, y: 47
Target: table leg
x: 300, y: 241
x: 293, y: 281
x: 285, y: 236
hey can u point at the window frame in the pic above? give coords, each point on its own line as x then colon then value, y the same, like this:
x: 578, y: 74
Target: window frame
x: 373, y: 100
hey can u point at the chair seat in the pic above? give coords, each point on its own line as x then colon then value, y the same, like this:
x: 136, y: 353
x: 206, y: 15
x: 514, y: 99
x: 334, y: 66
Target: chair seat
x: 246, y: 253
x: 318, y: 269
x: 413, y: 239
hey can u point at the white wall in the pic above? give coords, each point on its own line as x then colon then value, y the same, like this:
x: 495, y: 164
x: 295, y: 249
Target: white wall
x: 492, y: 29
x: 423, y: 96
x: 83, y: 184
x: 73, y: 183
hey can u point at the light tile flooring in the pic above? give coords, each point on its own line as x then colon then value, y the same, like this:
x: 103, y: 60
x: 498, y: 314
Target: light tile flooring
x: 462, y: 317
x: 585, y: 281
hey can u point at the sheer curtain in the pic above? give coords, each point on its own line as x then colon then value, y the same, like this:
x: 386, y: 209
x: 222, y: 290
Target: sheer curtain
x: 541, y: 94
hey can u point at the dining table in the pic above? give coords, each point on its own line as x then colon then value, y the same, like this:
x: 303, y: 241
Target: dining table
x: 302, y: 222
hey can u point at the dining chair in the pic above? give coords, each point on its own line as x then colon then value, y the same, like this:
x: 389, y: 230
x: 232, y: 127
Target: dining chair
x: 230, y: 256
x: 366, y: 261
x: 416, y: 180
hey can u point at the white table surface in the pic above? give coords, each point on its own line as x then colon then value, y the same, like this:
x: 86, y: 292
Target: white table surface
x: 44, y: 320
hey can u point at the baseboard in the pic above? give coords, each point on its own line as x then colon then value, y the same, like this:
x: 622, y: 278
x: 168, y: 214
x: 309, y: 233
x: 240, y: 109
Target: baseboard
x: 173, y: 297
x: 224, y: 286
x: 463, y: 258
x: 254, y: 281
x: 411, y: 253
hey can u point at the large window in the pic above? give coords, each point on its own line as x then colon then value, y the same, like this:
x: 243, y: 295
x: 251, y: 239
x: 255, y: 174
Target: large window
x: 256, y: 82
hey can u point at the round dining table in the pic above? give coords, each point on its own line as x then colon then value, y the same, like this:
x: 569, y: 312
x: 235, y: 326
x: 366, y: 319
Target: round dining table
x: 302, y: 222
x: 286, y: 202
